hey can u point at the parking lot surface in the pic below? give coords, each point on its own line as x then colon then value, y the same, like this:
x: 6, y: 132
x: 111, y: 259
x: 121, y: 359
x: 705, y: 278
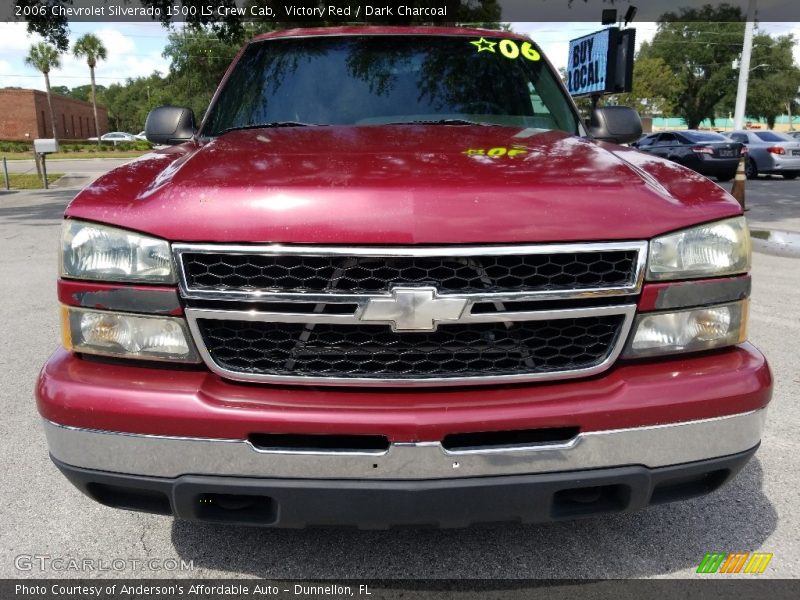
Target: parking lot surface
x: 41, y: 514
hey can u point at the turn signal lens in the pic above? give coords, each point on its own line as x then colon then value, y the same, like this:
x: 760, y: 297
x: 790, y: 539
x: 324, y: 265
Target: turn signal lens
x: 688, y: 330
x: 126, y: 335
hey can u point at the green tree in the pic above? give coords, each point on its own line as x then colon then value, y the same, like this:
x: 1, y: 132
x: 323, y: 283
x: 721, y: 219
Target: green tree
x: 655, y: 86
x: 129, y: 103
x: 699, y: 47
x: 53, y: 24
x: 90, y: 47
x: 44, y: 57
x: 84, y: 93
x: 198, y: 60
x: 774, y: 78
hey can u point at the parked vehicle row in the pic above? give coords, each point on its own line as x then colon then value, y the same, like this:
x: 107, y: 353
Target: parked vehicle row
x: 717, y: 155
x: 706, y: 152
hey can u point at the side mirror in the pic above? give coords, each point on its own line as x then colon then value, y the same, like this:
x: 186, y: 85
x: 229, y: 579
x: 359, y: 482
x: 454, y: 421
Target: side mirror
x: 169, y: 125
x: 615, y: 124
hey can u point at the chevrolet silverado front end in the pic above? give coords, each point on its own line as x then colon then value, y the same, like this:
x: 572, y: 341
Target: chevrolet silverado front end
x: 392, y: 281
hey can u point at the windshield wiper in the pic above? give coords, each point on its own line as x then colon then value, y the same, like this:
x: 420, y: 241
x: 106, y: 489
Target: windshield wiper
x: 271, y: 125
x: 442, y: 122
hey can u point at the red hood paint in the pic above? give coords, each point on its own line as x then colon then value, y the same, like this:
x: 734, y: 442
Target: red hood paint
x: 404, y: 184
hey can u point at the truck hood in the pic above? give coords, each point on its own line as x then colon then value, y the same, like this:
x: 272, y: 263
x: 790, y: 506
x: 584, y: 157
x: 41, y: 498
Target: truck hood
x: 403, y: 184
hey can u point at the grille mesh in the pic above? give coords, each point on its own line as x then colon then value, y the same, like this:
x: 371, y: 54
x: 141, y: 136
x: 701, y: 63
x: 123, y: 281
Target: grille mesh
x: 374, y: 351
x: 306, y: 273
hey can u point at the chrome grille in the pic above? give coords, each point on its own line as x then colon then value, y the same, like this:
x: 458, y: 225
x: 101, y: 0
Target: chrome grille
x: 364, y: 274
x: 342, y: 316
x: 469, y: 350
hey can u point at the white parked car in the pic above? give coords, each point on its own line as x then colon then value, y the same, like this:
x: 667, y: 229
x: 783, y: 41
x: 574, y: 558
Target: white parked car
x: 141, y: 136
x: 115, y: 136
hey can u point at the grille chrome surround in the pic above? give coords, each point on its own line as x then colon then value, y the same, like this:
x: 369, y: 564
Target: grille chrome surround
x: 631, y: 287
x: 626, y: 311
x: 331, y: 297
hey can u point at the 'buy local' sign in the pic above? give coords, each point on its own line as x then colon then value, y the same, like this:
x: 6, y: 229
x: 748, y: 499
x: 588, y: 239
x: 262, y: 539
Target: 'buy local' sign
x: 601, y: 62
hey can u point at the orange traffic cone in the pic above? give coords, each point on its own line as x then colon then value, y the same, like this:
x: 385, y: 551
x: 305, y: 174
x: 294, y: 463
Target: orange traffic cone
x: 738, y: 184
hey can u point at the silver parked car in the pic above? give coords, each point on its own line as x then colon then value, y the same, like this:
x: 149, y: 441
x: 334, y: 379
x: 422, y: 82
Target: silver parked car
x: 770, y: 152
x: 115, y: 136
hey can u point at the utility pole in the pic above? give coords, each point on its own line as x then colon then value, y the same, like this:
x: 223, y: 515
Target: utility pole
x: 789, y: 108
x: 744, y: 67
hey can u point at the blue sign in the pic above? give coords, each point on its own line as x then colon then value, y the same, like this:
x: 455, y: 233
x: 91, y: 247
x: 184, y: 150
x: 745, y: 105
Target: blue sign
x: 587, y: 67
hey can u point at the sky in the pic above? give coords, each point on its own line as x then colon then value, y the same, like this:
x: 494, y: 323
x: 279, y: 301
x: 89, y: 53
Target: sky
x: 134, y: 49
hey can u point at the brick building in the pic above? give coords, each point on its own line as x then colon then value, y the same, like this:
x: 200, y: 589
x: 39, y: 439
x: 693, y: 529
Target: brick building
x: 24, y: 115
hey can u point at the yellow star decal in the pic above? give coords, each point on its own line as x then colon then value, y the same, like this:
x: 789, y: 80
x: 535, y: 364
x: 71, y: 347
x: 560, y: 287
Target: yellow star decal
x: 483, y: 44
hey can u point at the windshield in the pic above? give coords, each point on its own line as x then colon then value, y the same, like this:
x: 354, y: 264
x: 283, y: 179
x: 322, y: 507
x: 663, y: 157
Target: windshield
x: 376, y: 80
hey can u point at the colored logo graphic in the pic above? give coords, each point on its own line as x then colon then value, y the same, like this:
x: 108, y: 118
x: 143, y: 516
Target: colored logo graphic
x: 735, y: 562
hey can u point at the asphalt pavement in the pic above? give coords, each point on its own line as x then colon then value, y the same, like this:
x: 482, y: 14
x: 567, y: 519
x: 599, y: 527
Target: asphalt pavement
x: 43, y: 515
x: 77, y: 166
x: 77, y: 172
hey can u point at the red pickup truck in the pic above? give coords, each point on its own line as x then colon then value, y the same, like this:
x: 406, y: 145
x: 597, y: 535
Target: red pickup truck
x: 394, y: 279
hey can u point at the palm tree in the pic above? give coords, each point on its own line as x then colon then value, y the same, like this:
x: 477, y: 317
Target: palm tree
x: 90, y: 47
x: 44, y: 57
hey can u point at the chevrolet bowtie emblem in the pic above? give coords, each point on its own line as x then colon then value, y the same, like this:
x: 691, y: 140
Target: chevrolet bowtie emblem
x: 413, y: 309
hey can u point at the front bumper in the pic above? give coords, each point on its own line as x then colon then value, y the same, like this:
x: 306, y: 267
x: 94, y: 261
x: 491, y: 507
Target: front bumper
x: 173, y: 441
x: 160, y: 456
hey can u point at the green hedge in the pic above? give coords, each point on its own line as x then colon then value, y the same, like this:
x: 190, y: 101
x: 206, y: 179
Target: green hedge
x: 78, y: 146
x: 16, y: 146
x: 125, y: 146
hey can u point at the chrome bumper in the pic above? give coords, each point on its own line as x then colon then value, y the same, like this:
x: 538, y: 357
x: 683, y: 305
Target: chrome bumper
x: 159, y: 456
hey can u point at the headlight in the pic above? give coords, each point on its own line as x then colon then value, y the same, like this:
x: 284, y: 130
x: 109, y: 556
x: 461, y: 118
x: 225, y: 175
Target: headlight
x: 126, y: 335
x: 688, y: 330
x: 91, y: 251
x: 711, y: 250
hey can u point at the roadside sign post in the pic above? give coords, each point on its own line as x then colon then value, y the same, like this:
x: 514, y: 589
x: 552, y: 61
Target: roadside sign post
x: 5, y: 174
x: 42, y: 148
x: 44, y: 172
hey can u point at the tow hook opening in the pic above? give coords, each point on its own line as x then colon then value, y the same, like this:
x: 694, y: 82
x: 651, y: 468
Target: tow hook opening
x: 574, y: 502
x: 236, y: 508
